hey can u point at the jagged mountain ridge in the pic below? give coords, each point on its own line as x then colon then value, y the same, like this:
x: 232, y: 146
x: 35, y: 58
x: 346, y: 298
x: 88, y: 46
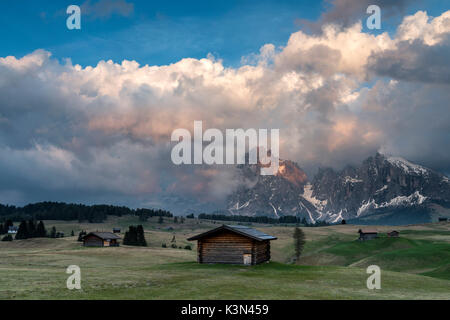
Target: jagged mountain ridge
x: 381, y: 190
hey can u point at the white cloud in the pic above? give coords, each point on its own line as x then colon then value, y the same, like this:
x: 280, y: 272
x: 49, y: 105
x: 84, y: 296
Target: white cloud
x: 107, y: 128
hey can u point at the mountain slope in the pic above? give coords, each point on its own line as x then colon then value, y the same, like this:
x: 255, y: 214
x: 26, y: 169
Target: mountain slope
x: 381, y: 190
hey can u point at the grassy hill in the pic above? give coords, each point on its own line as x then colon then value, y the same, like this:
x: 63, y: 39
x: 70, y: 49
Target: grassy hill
x: 414, y: 266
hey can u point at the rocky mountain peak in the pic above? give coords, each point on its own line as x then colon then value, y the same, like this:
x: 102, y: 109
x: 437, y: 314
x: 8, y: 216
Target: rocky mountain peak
x: 382, y: 188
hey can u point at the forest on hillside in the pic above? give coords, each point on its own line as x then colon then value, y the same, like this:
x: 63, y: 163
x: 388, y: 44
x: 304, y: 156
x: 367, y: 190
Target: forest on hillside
x: 80, y: 212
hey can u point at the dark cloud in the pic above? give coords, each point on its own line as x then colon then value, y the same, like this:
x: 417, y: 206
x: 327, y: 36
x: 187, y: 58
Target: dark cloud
x: 346, y: 12
x: 414, y: 118
x: 414, y: 61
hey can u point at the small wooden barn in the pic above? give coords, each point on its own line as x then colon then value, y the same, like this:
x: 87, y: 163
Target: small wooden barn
x: 393, y: 234
x: 367, y: 234
x: 233, y: 245
x: 101, y: 239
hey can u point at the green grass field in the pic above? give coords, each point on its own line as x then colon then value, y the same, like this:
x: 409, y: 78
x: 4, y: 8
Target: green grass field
x: 333, y: 265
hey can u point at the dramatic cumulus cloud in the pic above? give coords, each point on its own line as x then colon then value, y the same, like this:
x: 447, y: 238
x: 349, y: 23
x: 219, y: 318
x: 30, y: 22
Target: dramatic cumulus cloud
x: 102, y: 133
x: 421, y: 52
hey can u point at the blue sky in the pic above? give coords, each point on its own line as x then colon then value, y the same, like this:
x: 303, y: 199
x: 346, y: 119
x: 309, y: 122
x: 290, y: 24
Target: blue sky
x: 154, y: 33
x: 159, y: 32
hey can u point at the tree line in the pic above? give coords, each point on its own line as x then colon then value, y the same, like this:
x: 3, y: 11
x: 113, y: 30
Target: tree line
x: 27, y: 229
x: 4, y: 227
x: 262, y: 219
x: 67, y: 212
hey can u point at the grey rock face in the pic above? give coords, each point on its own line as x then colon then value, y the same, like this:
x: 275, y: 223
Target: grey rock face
x: 381, y: 190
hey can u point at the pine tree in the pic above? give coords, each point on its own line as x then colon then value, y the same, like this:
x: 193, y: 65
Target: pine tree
x: 161, y: 219
x: 72, y: 234
x: 130, y: 238
x: 299, y: 242
x: 126, y: 238
x: 40, y: 230
x: 22, y: 233
x: 31, y: 228
x: 140, y: 241
x: 133, y: 234
x: 175, y: 220
x: 2, y: 230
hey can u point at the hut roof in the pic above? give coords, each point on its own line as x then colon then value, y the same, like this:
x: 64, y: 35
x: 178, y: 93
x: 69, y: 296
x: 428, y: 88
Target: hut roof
x: 367, y: 231
x: 242, y: 230
x: 104, y: 235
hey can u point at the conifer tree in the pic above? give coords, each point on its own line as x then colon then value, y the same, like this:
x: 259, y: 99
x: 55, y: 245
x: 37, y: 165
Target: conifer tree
x: 140, y: 236
x: 130, y: 238
x: 299, y: 242
x: 31, y: 228
x: 126, y: 238
x: 40, y: 230
x: 22, y: 233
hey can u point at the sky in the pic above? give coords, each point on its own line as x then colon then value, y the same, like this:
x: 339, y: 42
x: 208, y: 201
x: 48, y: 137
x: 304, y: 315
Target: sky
x: 86, y: 115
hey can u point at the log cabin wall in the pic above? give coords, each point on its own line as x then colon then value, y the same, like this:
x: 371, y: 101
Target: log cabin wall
x: 262, y: 251
x: 226, y: 247
x: 93, y: 242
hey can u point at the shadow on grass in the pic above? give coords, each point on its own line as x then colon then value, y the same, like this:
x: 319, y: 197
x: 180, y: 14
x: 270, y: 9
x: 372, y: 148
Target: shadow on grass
x: 270, y: 266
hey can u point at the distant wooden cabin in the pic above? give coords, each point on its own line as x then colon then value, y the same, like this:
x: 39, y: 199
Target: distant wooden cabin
x: 101, y: 239
x: 233, y: 245
x: 367, y: 234
x: 116, y: 230
x: 393, y: 234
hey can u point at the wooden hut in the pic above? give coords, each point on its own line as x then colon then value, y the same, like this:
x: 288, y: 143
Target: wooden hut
x: 101, y: 239
x: 367, y: 234
x: 233, y: 245
x: 393, y: 234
